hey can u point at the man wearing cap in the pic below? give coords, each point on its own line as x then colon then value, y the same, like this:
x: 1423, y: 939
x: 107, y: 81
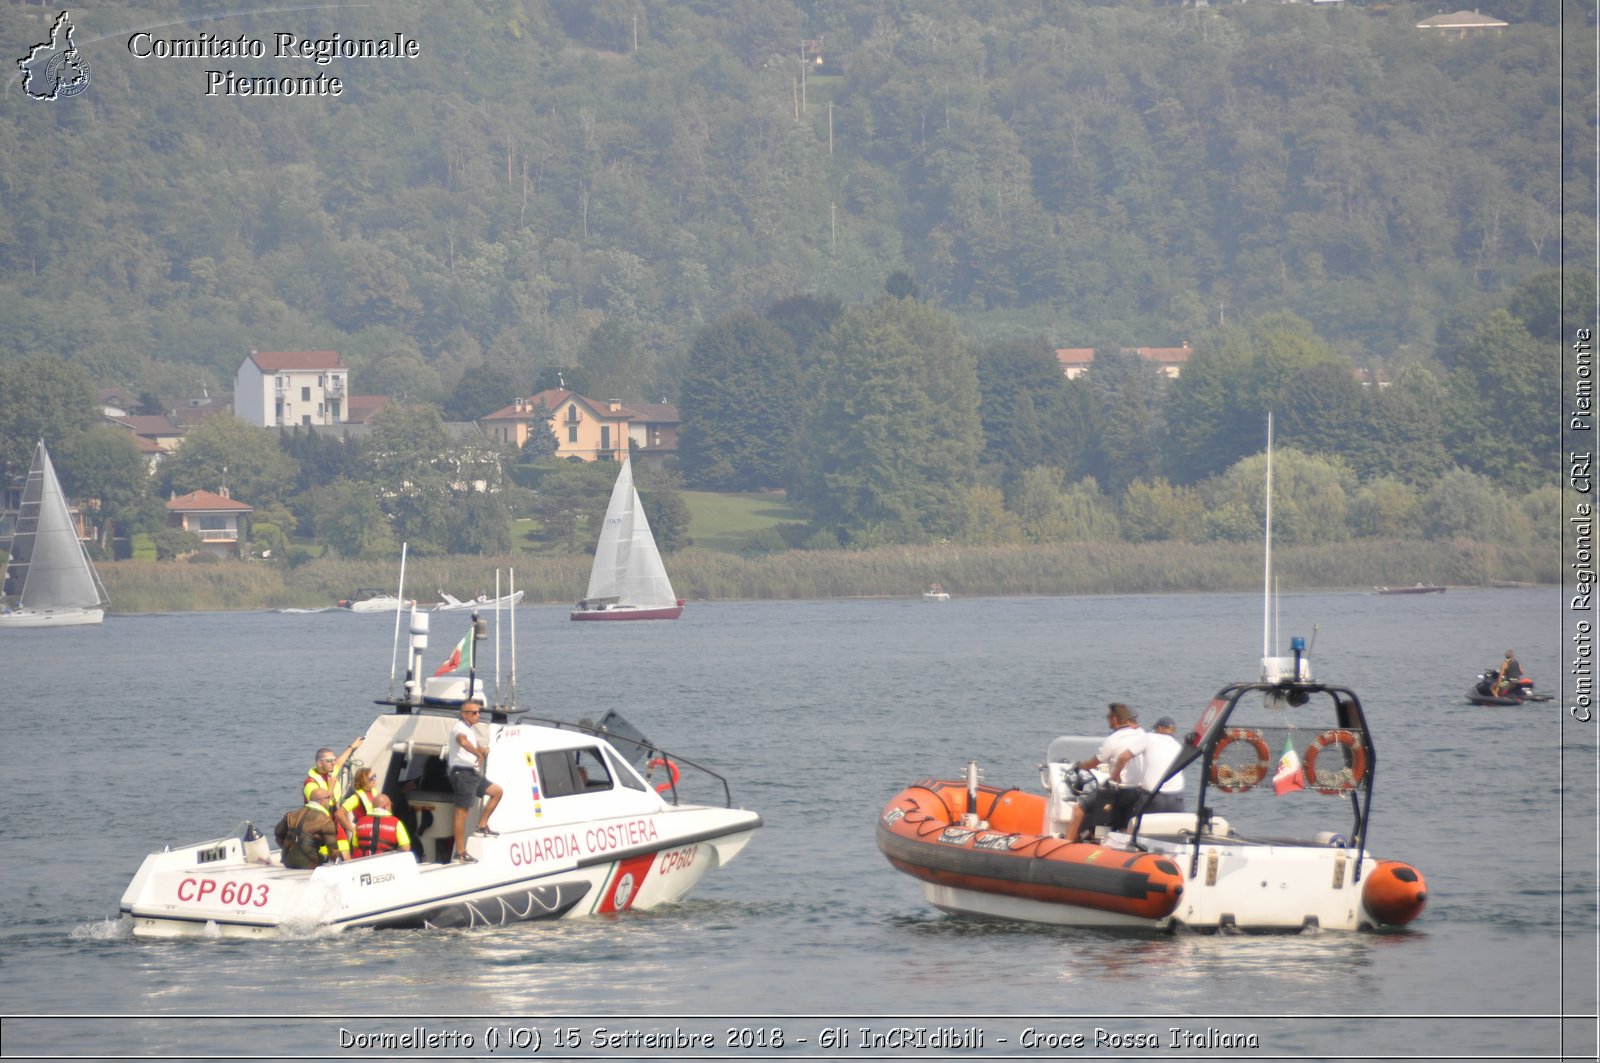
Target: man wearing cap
x: 1146, y: 760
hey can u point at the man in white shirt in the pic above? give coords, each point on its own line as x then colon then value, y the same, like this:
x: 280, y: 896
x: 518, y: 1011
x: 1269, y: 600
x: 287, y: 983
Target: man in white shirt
x: 467, y: 758
x: 1146, y: 759
x: 1125, y: 731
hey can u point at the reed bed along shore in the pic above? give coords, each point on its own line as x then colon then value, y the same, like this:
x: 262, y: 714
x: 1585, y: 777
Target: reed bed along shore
x: 897, y: 571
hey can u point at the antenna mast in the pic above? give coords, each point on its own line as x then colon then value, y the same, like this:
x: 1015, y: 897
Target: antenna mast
x: 1266, y: 579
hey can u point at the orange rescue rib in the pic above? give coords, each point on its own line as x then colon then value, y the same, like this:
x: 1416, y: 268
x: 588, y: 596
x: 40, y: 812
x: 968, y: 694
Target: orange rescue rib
x: 921, y: 833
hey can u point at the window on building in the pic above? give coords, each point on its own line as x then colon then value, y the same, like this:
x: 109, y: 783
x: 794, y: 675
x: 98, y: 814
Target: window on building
x: 572, y: 414
x: 305, y: 394
x: 572, y: 433
x: 605, y: 437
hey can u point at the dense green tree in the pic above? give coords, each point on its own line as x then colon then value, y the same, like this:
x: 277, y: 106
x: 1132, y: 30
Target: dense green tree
x: 739, y: 405
x: 1466, y: 505
x: 1405, y: 425
x: 225, y: 453
x: 1155, y: 511
x: 541, y: 444
x: 1217, y: 409
x: 1310, y: 498
x: 481, y: 391
x: 42, y: 397
x: 1387, y: 509
x: 983, y: 519
x: 1020, y: 390
x: 1503, y: 411
x: 104, y: 465
x: 1128, y: 395
x: 569, y: 502
x: 890, y: 443
x: 349, y: 519
x: 806, y: 318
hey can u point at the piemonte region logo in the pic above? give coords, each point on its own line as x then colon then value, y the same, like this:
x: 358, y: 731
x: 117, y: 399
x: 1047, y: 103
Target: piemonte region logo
x: 55, y: 69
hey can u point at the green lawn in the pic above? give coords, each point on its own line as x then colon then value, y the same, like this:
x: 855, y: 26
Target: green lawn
x: 726, y: 522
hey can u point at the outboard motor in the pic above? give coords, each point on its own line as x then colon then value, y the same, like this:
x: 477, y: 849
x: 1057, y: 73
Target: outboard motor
x: 256, y: 849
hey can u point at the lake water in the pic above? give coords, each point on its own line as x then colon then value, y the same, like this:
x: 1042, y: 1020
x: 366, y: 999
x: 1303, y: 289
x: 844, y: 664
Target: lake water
x: 174, y: 728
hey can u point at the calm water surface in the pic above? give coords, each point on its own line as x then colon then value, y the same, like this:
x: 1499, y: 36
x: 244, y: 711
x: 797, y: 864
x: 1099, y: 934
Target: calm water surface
x: 173, y: 728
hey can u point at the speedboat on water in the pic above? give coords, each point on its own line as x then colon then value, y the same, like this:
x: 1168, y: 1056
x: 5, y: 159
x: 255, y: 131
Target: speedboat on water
x: 594, y: 819
x: 1001, y: 851
x: 374, y: 600
x: 482, y: 603
x: 1004, y: 852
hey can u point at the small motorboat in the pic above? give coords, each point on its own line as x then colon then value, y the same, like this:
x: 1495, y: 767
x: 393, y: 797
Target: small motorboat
x: 374, y: 600
x: 1420, y: 588
x: 482, y: 603
x: 594, y: 819
x: 1000, y: 852
x: 1003, y: 852
x: 1487, y: 690
x: 935, y: 593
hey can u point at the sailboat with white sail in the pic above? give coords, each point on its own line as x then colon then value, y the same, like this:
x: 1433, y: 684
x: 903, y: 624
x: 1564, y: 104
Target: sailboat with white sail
x: 628, y: 580
x: 49, y: 571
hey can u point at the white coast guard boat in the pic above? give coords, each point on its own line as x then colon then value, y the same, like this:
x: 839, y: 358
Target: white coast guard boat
x: 583, y: 828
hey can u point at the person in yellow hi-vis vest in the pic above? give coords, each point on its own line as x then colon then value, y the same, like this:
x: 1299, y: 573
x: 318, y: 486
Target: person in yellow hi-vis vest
x: 325, y: 774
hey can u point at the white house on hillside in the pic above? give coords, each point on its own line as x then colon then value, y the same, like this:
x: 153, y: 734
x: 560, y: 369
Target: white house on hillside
x: 283, y: 388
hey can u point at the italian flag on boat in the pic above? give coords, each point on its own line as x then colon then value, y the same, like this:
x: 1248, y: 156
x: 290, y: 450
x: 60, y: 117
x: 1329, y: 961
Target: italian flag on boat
x: 463, y: 651
x: 1290, y: 776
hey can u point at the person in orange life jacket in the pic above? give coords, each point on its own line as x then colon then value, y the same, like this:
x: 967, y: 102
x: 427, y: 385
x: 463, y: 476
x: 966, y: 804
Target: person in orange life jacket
x: 325, y: 773
x: 1125, y: 731
x: 307, y: 836
x: 467, y: 759
x: 379, y: 830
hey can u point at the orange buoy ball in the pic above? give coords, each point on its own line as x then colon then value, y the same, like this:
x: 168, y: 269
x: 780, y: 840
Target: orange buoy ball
x: 1394, y: 893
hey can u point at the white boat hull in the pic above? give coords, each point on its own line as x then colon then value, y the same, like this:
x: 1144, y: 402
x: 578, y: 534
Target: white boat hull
x: 376, y: 605
x: 453, y: 605
x: 51, y: 617
x: 561, y: 872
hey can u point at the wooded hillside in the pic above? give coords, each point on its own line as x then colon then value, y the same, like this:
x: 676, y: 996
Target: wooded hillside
x: 566, y: 182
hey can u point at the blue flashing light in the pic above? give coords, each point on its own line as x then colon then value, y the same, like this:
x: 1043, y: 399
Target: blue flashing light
x: 1297, y: 644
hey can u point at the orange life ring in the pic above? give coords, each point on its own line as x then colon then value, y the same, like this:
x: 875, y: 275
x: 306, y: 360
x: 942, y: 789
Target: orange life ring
x: 1344, y: 778
x: 1234, y: 780
x: 672, y: 769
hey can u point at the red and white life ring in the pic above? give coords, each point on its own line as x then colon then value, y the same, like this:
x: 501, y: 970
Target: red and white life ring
x: 1235, y: 780
x: 672, y: 771
x: 1347, y: 775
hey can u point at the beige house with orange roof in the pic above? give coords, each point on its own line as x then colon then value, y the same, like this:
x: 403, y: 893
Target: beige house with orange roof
x: 213, y: 517
x: 585, y: 428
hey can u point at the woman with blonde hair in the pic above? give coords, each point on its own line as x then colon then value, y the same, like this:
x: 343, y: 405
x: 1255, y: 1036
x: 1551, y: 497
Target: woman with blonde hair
x: 364, y: 795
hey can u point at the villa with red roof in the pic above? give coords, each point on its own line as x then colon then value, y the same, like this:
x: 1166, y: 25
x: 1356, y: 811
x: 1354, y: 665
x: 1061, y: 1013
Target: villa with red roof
x: 213, y: 517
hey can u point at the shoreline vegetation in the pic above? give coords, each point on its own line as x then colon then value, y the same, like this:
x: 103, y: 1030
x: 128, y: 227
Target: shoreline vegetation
x: 1081, y: 568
